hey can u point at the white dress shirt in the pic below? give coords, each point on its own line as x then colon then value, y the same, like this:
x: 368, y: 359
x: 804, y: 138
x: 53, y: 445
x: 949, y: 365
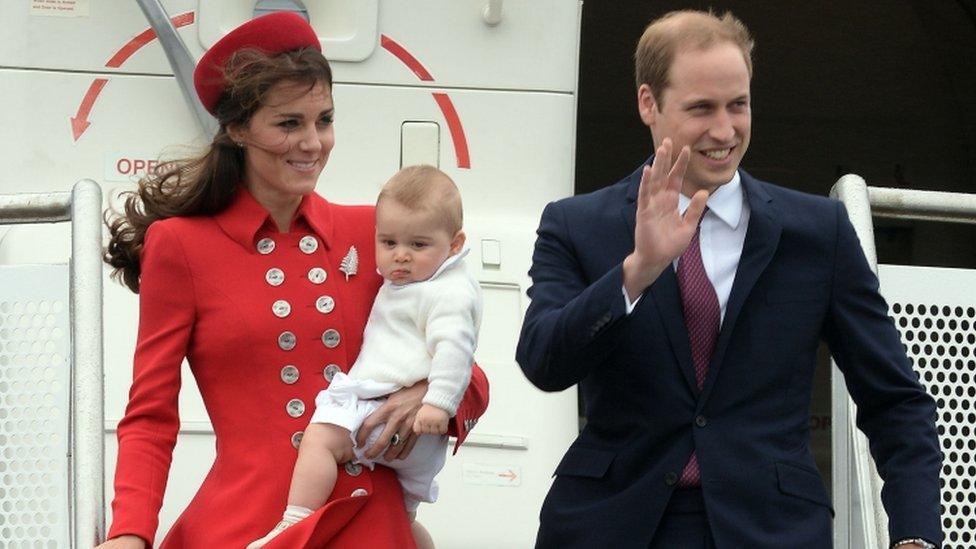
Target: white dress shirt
x: 723, y: 232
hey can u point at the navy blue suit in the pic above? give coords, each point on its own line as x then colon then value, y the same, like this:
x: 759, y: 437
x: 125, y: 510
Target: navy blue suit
x: 802, y: 278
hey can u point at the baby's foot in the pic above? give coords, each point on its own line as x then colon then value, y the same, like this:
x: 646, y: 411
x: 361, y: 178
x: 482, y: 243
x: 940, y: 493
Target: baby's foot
x: 279, y: 528
x: 293, y: 514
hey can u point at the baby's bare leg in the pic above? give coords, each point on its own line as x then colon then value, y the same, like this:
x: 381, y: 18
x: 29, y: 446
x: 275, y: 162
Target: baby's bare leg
x: 324, y: 446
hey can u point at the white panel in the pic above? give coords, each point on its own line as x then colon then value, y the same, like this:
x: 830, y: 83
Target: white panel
x: 35, y: 382
x: 935, y: 311
x: 534, y: 47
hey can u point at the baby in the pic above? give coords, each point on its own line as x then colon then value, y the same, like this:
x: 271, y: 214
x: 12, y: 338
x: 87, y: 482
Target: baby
x: 423, y: 325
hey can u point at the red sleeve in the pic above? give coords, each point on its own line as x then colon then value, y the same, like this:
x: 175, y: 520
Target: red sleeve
x: 148, y: 431
x: 473, y: 405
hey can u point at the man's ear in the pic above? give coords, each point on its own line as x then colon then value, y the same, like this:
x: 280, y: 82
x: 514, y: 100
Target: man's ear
x: 646, y: 105
x: 457, y: 242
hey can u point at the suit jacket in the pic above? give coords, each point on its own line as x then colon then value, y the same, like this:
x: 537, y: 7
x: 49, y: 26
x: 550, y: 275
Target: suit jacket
x: 213, y: 288
x: 802, y: 278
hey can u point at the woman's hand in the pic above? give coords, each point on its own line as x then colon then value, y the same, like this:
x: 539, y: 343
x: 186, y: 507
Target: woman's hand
x: 398, y: 413
x: 124, y: 542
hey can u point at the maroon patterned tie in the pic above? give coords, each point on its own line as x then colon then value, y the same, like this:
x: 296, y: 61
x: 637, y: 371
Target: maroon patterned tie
x: 702, y: 319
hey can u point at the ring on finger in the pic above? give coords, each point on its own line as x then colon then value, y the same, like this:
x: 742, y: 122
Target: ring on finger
x: 395, y: 439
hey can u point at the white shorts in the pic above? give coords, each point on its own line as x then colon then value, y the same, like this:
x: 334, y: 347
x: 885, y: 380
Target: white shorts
x: 347, y: 402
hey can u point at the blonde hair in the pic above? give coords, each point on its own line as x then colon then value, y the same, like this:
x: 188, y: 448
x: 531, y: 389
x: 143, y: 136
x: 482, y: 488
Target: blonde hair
x: 425, y: 188
x: 700, y: 30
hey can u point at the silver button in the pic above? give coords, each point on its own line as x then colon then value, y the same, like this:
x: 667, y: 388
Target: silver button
x: 359, y: 492
x: 330, y: 338
x: 296, y: 438
x: 281, y: 308
x: 295, y: 408
x: 317, y: 275
x: 325, y: 304
x: 287, y: 341
x: 330, y: 371
x: 308, y: 244
x: 289, y: 374
x: 275, y: 276
x: 353, y: 469
x: 266, y: 246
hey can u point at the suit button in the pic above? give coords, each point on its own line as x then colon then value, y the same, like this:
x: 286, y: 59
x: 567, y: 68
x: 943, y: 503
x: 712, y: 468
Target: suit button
x: 281, y: 308
x: 330, y: 371
x: 274, y: 276
x: 295, y: 408
x: 701, y: 421
x: 287, y: 341
x: 671, y: 478
x: 289, y: 374
x: 317, y: 275
x: 296, y: 438
x: 308, y: 244
x: 266, y: 246
x: 353, y: 469
x: 324, y: 304
x: 330, y: 338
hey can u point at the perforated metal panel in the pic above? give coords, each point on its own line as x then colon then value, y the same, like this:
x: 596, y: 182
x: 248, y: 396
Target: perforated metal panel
x: 935, y: 310
x: 34, y: 407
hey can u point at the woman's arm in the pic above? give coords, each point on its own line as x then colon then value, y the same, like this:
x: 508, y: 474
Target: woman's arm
x: 400, y: 410
x: 148, y: 431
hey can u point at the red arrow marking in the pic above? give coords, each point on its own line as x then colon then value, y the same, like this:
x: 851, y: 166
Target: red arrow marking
x: 457, y: 130
x: 79, y: 122
x: 403, y: 55
x: 144, y: 38
x: 510, y: 475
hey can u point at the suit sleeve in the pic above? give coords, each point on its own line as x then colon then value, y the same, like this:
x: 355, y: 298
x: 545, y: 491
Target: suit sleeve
x: 571, y: 325
x: 893, y: 409
x: 147, y: 433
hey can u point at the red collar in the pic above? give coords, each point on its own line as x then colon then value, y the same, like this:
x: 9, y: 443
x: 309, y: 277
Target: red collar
x: 245, y: 217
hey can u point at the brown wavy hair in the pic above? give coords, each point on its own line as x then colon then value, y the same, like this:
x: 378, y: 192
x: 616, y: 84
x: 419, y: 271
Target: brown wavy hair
x: 205, y: 184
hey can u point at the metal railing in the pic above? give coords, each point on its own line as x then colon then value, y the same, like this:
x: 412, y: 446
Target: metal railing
x: 855, y: 479
x: 82, y: 207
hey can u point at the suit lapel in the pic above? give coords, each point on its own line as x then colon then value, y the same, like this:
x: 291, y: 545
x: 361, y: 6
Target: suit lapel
x: 664, y: 292
x: 762, y: 238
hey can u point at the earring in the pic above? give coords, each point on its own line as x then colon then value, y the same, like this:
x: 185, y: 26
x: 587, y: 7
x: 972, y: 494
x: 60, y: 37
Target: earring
x: 239, y: 144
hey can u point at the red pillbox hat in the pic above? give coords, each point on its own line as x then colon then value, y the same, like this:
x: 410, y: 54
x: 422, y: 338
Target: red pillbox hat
x: 273, y: 33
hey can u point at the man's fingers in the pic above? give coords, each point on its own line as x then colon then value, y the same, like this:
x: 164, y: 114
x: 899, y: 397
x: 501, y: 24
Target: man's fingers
x: 695, y: 209
x: 643, y: 192
x: 677, y: 174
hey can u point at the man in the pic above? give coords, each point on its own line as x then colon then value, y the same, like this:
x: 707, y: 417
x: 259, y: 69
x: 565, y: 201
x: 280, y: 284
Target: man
x: 694, y: 345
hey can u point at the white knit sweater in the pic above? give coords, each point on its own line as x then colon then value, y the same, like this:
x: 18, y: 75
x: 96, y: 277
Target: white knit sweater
x: 424, y: 330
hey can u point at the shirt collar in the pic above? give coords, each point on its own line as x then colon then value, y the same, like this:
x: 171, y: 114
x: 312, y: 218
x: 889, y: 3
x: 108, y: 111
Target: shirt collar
x: 245, y: 217
x: 725, y: 202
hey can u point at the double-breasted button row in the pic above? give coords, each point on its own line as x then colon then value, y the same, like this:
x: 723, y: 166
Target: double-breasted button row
x: 330, y: 338
x: 308, y: 244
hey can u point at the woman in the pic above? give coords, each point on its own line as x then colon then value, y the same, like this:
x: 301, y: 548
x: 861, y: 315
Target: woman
x: 265, y: 287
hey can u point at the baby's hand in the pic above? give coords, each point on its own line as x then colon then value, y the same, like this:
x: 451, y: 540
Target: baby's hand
x: 430, y: 420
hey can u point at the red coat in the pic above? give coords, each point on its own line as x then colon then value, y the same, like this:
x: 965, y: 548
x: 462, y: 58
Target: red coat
x: 209, y: 293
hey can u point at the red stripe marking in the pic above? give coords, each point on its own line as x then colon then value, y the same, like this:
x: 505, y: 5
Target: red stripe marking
x: 144, y: 38
x: 403, y: 55
x: 457, y: 130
